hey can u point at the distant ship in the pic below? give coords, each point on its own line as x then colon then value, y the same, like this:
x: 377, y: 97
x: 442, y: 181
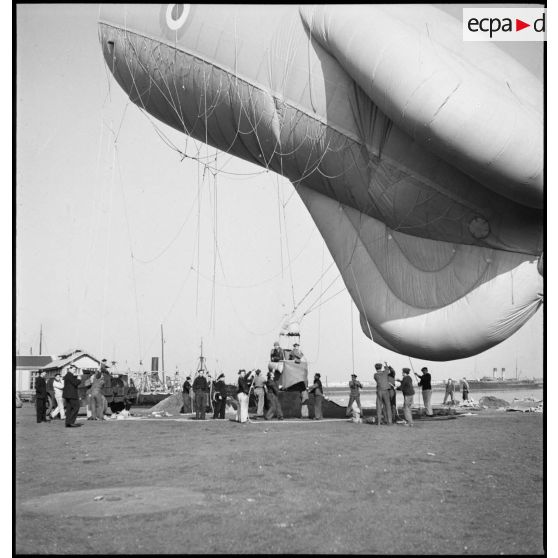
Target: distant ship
x: 501, y: 383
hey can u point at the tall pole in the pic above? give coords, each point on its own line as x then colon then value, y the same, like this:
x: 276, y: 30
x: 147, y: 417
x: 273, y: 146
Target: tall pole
x: 162, y: 355
x: 41, y: 341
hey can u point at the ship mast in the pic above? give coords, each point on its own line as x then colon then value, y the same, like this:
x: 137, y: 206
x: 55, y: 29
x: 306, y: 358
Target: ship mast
x: 201, y: 362
x: 162, y: 355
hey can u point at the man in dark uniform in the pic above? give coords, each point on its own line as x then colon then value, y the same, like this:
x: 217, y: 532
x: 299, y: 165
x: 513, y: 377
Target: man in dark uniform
x: 273, y: 398
x: 392, y: 394
x: 200, y: 388
x: 406, y: 387
x: 425, y: 382
x: 318, y: 391
x: 187, y: 402
x: 71, y: 397
x: 41, y: 396
x: 219, y: 397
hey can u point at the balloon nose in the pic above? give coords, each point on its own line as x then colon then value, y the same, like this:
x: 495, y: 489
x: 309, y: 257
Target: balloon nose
x: 540, y: 265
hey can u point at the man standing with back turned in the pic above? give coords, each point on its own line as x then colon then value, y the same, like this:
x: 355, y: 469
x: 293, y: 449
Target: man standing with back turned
x: 71, y: 397
x: 382, y: 394
x: 259, y: 382
x: 408, y: 391
x: 41, y: 396
x: 425, y: 382
x: 200, y: 388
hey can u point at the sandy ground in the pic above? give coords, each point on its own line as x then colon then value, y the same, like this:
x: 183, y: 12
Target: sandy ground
x: 472, y: 485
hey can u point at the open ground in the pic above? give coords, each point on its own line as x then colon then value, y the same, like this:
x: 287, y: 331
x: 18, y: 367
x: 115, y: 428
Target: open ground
x: 471, y: 485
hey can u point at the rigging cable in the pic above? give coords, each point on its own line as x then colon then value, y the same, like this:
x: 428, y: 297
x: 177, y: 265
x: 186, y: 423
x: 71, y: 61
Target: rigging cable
x: 107, y: 247
x: 130, y: 243
x: 288, y: 254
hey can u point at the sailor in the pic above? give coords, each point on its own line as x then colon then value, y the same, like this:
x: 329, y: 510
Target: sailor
x: 355, y: 386
x: 408, y: 391
x: 186, y: 398
x: 273, y: 398
x: 219, y: 397
x: 425, y: 382
x: 58, y: 386
x: 317, y: 389
x: 296, y: 354
x: 200, y: 388
x: 243, y: 395
x: 382, y: 394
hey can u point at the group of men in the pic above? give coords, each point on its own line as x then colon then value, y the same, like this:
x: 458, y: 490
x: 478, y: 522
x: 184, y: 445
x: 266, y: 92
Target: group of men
x: 65, y: 394
x: 264, y: 388
x: 197, y: 396
x: 386, y: 408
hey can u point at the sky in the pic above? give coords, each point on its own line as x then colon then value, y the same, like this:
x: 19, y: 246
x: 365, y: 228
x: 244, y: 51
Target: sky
x: 118, y: 235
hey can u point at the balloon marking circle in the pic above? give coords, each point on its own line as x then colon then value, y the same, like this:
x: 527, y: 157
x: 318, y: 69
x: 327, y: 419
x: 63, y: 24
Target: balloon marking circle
x: 176, y: 15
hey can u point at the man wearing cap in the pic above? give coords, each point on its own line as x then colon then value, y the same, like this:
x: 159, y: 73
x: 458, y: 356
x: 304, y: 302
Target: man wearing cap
x: 200, y: 388
x: 382, y: 394
x: 219, y: 397
x: 425, y: 382
x: 296, y: 354
x: 317, y: 389
x: 186, y: 398
x: 355, y: 386
x: 71, y: 396
x: 406, y: 387
x: 276, y: 354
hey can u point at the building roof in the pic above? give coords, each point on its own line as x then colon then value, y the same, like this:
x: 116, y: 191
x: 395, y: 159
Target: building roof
x: 61, y: 362
x: 32, y: 362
